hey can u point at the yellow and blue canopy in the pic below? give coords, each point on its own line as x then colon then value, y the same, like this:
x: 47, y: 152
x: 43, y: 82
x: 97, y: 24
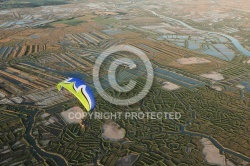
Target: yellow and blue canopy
x: 79, y: 89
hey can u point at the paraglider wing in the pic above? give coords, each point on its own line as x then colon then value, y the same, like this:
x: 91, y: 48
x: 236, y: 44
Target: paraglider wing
x: 79, y: 89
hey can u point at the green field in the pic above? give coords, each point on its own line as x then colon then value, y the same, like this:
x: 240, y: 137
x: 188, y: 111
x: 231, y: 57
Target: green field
x: 30, y: 3
x: 105, y: 20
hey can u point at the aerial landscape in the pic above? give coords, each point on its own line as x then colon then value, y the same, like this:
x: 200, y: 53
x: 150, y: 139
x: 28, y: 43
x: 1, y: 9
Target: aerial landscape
x: 185, y: 60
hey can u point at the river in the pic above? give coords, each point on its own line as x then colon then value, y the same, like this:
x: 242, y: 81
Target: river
x: 234, y: 41
x: 216, y: 144
x: 36, y: 149
x: 214, y: 141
